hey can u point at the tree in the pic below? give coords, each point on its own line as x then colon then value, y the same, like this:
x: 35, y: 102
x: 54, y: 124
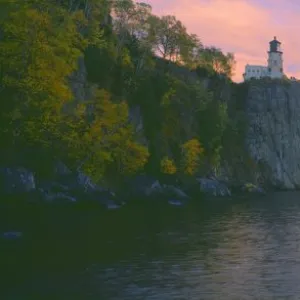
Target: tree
x: 171, y: 40
x: 38, y: 52
x: 40, y: 44
x: 131, y: 20
x: 214, y: 59
x: 191, y: 155
x: 168, y: 34
x: 104, y: 146
x: 131, y: 23
x: 190, y: 47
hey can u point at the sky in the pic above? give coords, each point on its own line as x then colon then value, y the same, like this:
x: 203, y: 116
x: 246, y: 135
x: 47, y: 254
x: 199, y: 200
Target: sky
x: 244, y: 27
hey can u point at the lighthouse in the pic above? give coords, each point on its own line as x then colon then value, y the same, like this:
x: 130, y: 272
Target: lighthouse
x: 274, y: 67
x: 275, y: 61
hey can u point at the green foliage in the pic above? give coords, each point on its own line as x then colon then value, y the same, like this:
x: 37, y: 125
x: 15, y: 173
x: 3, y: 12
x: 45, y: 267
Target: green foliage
x: 104, y: 146
x: 214, y: 60
x: 40, y: 45
x: 37, y: 53
x: 171, y: 40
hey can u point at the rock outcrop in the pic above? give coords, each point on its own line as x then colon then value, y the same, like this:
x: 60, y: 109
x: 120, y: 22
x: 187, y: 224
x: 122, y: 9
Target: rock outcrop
x: 16, y: 180
x: 213, y: 187
x: 63, y: 186
x: 273, y: 138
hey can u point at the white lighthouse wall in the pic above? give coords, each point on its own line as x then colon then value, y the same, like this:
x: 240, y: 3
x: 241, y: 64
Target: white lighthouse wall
x: 274, y: 69
x: 252, y: 71
x: 275, y: 63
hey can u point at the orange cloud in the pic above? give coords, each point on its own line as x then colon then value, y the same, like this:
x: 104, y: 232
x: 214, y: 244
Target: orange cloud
x: 243, y: 27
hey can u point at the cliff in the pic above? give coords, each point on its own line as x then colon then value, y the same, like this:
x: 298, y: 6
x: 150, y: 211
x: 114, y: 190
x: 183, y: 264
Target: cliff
x: 269, y: 111
x: 273, y: 134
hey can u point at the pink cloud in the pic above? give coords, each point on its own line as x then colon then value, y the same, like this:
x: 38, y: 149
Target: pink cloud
x: 240, y: 26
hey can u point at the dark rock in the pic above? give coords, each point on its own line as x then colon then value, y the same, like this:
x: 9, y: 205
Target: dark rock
x: 85, y: 182
x: 62, y: 186
x: 89, y: 191
x: 112, y: 205
x: 137, y: 187
x: 146, y: 187
x: 12, y: 235
x: 61, y: 169
x: 165, y: 191
x: 175, y: 202
x: 273, y: 138
x: 154, y: 189
x: 213, y: 187
x: 16, y: 180
x: 53, y: 197
x: 252, y: 188
x: 171, y: 190
x: 136, y: 119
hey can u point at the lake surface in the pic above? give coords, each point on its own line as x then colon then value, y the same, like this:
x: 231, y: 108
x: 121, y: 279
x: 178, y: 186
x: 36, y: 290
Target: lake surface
x: 226, y: 249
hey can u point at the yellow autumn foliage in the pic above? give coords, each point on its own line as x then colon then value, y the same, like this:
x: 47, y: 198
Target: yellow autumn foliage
x: 40, y: 48
x: 167, y: 166
x: 38, y: 52
x: 107, y: 143
x: 191, y: 155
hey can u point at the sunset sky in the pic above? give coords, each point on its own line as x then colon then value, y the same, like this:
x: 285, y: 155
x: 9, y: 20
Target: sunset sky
x: 243, y: 27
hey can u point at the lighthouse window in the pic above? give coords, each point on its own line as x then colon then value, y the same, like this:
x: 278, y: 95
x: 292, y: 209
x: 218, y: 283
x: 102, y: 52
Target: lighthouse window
x: 275, y: 62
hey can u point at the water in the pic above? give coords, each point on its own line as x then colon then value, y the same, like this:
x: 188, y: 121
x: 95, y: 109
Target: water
x: 230, y: 249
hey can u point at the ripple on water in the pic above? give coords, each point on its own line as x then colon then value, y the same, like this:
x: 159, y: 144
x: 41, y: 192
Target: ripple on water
x: 242, y: 250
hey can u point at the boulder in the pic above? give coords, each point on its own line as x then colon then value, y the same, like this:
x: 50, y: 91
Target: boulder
x: 90, y: 191
x: 176, y: 192
x: 252, y: 188
x: 175, y: 202
x: 61, y: 169
x: 213, y: 187
x: 154, y: 189
x: 139, y: 186
x: 16, y: 180
x: 12, y: 235
x: 61, y: 197
x: 111, y: 205
x: 166, y: 191
x: 62, y: 185
x: 143, y: 187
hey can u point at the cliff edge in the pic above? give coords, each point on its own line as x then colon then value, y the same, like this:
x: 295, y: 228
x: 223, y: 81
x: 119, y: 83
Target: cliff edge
x: 273, y: 135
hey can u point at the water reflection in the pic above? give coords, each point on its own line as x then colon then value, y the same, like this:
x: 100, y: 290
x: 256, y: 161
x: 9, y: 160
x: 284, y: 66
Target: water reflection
x: 246, y: 249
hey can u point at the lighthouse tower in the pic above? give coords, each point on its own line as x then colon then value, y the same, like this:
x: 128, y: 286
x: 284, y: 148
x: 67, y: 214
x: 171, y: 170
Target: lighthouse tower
x: 275, y: 61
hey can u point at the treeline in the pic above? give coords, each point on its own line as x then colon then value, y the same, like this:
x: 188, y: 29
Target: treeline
x: 184, y: 123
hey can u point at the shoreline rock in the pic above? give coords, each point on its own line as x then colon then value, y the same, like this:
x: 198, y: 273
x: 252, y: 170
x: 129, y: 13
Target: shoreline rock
x: 68, y: 187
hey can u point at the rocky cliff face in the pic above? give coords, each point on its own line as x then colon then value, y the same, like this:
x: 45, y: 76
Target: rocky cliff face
x: 273, y: 137
x: 82, y: 89
x: 273, y: 134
